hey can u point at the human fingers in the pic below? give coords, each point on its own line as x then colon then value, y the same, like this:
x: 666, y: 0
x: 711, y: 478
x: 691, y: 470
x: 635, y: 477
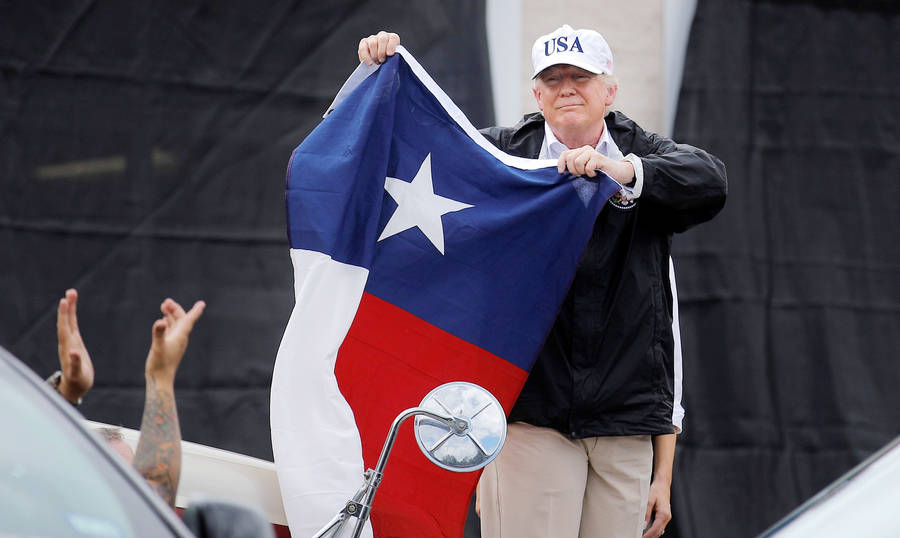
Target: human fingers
x: 192, y: 315
x: 662, y: 514
x: 382, y: 47
x: 156, y: 355
x: 590, y: 161
x: 159, y: 331
x: 72, y: 299
x: 566, y: 161
x: 657, y: 529
x: 171, y: 311
x: 580, y: 162
x: 376, y: 48
x: 177, y: 309
x: 387, y: 45
x: 62, y: 322
x: 575, y: 160
x: 364, y: 51
x: 594, y: 165
x: 393, y: 41
x: 196, y: 311
x: 648, y: 514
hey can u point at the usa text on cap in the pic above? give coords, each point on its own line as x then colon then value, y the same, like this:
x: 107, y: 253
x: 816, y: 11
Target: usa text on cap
x: 582, y: 48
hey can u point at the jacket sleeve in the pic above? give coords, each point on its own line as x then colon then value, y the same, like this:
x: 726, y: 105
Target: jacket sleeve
x: 682, y: 184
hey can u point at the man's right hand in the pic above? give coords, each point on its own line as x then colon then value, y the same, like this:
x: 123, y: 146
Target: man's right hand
x: 376, y: 48
x: 170, y: 340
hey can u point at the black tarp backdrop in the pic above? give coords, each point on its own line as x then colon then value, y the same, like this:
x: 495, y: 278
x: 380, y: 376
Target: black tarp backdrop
x: 790, y: 299
x: 142, y: 153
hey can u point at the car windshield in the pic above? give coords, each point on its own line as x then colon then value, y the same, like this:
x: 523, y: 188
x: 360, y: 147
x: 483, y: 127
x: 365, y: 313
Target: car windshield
x: 53, y: 480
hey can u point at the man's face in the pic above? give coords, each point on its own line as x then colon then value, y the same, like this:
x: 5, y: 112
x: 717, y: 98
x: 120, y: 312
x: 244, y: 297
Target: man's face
x: 572, y: 98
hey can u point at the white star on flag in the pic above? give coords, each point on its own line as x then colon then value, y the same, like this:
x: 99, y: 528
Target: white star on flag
x: 418, y: 206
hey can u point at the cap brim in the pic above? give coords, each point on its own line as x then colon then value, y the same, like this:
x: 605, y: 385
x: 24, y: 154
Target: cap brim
x: 587, y: 66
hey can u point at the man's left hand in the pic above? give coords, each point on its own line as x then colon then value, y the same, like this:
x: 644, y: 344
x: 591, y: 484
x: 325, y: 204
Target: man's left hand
x: 586, y: 161
x: 658, y: 508
x: 74, y: 360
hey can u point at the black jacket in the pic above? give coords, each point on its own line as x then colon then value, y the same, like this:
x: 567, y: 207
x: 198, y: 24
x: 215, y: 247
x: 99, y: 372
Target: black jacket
x: 607, y: 364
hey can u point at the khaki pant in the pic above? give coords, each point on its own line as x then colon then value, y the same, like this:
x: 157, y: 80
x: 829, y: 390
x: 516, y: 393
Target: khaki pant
x: 545, y: 485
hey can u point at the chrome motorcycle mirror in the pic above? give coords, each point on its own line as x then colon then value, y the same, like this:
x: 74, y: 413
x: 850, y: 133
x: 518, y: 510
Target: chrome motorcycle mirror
x: 475, y: 435
x: 459, y: 426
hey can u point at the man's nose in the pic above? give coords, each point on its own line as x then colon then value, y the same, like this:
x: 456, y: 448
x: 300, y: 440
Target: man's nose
x: 567, y: 87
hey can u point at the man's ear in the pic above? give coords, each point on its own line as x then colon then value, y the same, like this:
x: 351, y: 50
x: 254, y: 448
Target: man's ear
x: 537, y: 97
x: 611, y: 91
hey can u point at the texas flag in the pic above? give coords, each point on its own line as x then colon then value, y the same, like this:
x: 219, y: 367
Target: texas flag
x: 422, y: 255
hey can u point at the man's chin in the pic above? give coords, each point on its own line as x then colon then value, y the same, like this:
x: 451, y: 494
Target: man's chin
x: 571, y: 119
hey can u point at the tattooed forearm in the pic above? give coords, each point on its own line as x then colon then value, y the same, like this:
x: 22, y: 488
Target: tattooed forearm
x: 158, y: 454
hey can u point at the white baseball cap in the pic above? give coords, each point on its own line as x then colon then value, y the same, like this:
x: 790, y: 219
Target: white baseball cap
x: 582, y: 48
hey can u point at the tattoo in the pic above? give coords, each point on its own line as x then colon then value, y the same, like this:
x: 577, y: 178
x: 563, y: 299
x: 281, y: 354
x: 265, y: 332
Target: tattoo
x: 158, y: 454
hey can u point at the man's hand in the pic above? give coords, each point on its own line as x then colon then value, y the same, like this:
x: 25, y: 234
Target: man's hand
x: 585, y: 161
x: 74, y: 361
x: 170, y: 339
x: 158, y: 454
x: 658, y: 508
x: 376, y: 48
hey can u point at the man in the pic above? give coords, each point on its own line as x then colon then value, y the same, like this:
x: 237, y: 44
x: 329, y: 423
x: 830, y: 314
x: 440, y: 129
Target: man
x: 158, y: 454
x: 594, y: 421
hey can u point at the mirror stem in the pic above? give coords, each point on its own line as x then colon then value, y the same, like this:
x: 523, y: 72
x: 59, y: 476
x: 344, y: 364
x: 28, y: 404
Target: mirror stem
x: 373, y: 476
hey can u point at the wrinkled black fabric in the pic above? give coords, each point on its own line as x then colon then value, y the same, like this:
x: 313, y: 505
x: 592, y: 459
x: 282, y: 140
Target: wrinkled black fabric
x: 142, y: 155
x: 790, y: 303
x: 606, y: 367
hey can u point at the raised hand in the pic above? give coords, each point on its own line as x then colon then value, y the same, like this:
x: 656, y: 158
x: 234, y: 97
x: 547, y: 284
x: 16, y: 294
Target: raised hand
x: 376, y: 48
x: 158, y: 454
x: 170, y: 339
x: 74, y: 360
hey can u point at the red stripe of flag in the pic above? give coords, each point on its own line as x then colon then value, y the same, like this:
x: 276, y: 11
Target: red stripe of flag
x: 407, y: 357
